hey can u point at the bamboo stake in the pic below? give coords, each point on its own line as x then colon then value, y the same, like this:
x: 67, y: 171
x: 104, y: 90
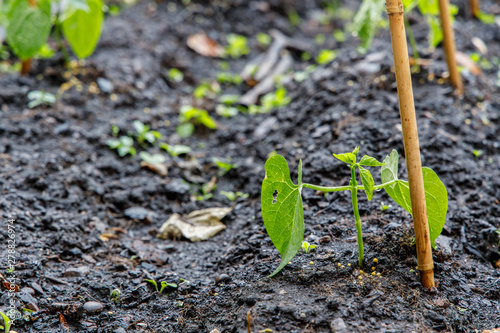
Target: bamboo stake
x: 449, y: 45
x: 26, y: 64
x: 474, y: 7
x: 411, y: 144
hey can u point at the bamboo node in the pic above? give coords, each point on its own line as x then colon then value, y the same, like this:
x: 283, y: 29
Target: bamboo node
x: 428, y: 267
x: 397, y: 9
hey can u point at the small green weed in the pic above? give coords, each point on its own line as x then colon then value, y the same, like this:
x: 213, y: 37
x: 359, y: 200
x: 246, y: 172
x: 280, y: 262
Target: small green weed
x: 38, y: 98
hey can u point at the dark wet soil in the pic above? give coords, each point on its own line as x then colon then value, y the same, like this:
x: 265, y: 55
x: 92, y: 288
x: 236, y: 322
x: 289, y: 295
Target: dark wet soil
x: 68, y: 192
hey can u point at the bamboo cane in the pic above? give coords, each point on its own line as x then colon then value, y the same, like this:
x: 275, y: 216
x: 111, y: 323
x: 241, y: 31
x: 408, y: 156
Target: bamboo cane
x: 474, y: 7
x: 26, y: 64
x: 449, y: 45
x: 411, y: 144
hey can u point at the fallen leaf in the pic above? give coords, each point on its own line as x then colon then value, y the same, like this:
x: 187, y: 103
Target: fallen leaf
x: 480, y: 45
x: 159, y: 168
x: 105, y: 237
x: 204, y: 45
x: 195, y: 226
x: 465, y: 61
x: 495, y: 330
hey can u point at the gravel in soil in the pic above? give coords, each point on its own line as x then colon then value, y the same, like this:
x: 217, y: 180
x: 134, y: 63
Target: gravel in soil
x: 86, y: 220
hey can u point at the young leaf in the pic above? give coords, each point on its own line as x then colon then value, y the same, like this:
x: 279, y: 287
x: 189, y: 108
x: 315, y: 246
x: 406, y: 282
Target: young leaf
x: 349, y: 158
x: 436, y: 196
x: 282, y: 211
x: 367, y: 180
x: 370, y: 161
x: 28, y: 27
x: 82, y: 27
x: 389, y: 172
x: 366, y: 21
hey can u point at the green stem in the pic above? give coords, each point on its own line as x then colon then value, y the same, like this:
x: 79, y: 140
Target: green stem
x: 381, y: 186
x: 354, y: 197
x: 326, y: 188
x: 345, y: 188
x: 58, y: 35
x: 413, y: 43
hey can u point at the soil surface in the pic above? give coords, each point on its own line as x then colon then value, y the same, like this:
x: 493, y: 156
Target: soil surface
x: 69, y: 192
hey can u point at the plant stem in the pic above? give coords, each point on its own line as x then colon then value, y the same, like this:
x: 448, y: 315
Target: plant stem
x: 58, y: 35
x: 381, y: 186
x: 354, y: 198
x: 327, y: 188
x: 345, y: 188
x: 413, y: 43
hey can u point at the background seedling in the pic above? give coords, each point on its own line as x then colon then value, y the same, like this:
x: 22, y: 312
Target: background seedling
x: 6, y: 322
x: 115, y: 295
x: 152, y: 158
x: 189, y: 116
x: 275, y: 100
x: 224, y: 167
x: 306, y: 247
x: 326, y: 56
x: 233, y: 196
x: 79, y: 22
x: 124, y: 145
x: 164, y: 284
x: 38, y: 98
x: 175, y: 150
x: 175, y: 75
x: 237, y: 46
x: 281, y: 200
x: 144, y: 134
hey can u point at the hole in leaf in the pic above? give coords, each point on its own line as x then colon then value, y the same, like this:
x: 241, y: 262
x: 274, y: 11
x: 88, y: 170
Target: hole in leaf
x: 275, y: 196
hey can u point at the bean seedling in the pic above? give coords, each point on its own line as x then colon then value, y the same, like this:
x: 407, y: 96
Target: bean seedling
x: 164, y: 284
x: 283, y: 214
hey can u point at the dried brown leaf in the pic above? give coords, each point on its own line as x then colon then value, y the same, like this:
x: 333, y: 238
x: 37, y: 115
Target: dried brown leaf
x: 465, y: 61
x: 204, y: 45
x: 195, y: 226
x: 159, y: 168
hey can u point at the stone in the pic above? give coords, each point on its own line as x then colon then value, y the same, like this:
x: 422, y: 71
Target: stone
x: 338, y: 326
x: 104, y: 85
x: 93, y: 307
x: 222, y: 278
x: 77, y: 271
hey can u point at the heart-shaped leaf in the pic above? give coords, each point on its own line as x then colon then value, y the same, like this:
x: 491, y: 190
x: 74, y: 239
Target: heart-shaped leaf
x: 436, y: 196
x: 282, y: 210
x: 28, y: 28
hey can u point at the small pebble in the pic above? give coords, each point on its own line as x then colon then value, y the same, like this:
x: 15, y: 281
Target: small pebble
x: 222, y: 278
x: 93, y: 306
x: 77, y: 271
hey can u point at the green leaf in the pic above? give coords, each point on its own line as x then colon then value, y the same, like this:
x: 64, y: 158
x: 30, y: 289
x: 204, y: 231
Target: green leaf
x: 326, y: 56
x: 367, y: 180
x: 152, y: 158
x: 282, y: 211
x: 436, y: 196
x: 399, y: 191
x: 366, y: 21
x: 6, y: 322
x: 140, y: 127
x: 435, y: 32
x: 185, y: 130
x: 28, y: 27
x: 370, y: 161
x: 82, y: 28
x: 349, y: 158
